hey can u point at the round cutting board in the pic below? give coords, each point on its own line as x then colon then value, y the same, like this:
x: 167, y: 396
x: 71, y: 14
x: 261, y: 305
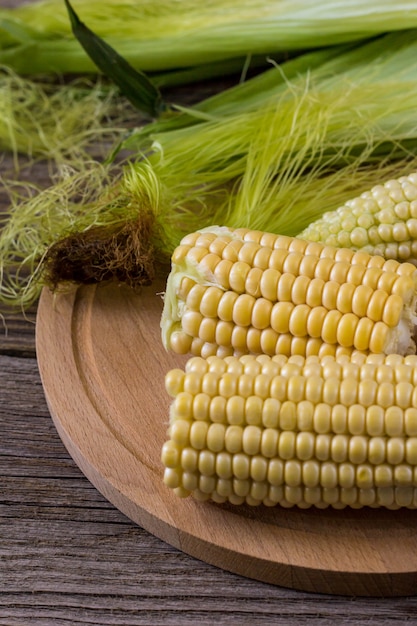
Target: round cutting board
x: 102, y: 366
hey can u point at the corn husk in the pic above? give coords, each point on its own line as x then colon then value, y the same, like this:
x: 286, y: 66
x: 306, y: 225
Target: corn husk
x: 272, y: 158
x: 262, y: 161
x: 160, y: 35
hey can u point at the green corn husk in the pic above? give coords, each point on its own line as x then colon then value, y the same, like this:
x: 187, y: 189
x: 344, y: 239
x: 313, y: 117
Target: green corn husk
x: 274, y: 161
x: 160, y: 35
x: 384, y: 59
x: 248, y: 168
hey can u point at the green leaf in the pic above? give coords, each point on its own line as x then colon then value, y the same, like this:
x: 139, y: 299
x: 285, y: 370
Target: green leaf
x: 18, y: 32
x: 133, y: 84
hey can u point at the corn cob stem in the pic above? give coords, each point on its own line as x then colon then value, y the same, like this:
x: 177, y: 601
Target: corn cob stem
x: 233, y: 292
x: 337, y: 431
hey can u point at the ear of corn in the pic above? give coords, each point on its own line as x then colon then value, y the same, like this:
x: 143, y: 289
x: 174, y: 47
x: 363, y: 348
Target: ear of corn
x: 337, y: 431
x: 233, y: 292
x: 382, y: 221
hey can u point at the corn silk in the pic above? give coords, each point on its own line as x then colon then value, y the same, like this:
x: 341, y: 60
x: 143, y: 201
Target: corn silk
x: 273, y: 153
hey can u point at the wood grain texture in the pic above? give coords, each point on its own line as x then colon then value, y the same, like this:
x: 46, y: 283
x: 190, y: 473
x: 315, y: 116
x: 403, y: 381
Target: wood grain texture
x: 68, y: 557
x: 103, y: 367
x: 17, y: 333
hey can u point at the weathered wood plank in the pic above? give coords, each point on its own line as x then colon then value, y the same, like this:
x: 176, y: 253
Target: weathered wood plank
x: 68, y: 556
x: 17, y: 333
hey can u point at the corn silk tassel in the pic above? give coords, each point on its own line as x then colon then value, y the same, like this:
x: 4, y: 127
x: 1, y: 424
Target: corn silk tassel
x: 113, y: 232
x: 270, y: 155
x: 61, y: 123
x: 162, y: 35
x: 278, y: 162
x: 70, y: 127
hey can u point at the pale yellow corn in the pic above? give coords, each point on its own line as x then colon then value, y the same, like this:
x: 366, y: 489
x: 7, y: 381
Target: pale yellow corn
x: 382, y: 221
x: 241, y: 291
x: 332, y: 431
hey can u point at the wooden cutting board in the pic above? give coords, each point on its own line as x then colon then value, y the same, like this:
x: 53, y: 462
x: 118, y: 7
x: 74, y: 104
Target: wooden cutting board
x: 102, y: 367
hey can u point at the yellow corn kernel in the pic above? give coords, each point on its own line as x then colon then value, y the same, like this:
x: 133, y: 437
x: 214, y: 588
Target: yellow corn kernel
x: 330, y: 294
x: 361, y: 298
x: 253, y: 282
x: 277, y: 258
x: 226, y: 305
x: 331, y: 388
x: 248, y: 251
x: 315, y: 321
x: 242, y: 310
x: 268, y: 283
x: 284, y: 287
x: 377, y: 222
x: 216, y: 245
x: 298, y: 321
x: 221, y: 273
x: 207, y: 330
x: 233, y: 439
x: 238, y: 275
x: 269, y: 443
x: 386, y: 395
x: 253, y: 340
x: 410, y: 421
x: 292, y: 263
x: 387, y: 280
x: 323, y: 441
x: 268, y: 341
x: 344, y: 297
x: 261, y: 313
x: 330, y: 326
x: 363, y: 332
x: 174, y: 382
x: 305, y: 446
x: 180, y: 342
x: 191, y: 321
x: 209, y: 301
x: 194, y: 296
x: 346, y: 329
x: 339, y: 419
x: 280, y: 317
x: 292, y: 474
x: 300, y: 289
x: 298, y: 450
x: 241, y: 466
x: 395, y: 450
x: 286, y: 445
x: 379, y: 337
x: 314, y: 293
x: 198, y: 434
x: 223, y: 336
x: 282, y: 290
x: 262, y: 258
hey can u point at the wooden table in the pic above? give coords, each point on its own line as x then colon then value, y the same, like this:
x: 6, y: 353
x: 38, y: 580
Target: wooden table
x: 68, y: 556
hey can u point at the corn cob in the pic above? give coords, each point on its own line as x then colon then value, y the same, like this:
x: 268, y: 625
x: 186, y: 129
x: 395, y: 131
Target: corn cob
x: 382, y: 221
x: 295, y: 431
x: 234, y: 292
